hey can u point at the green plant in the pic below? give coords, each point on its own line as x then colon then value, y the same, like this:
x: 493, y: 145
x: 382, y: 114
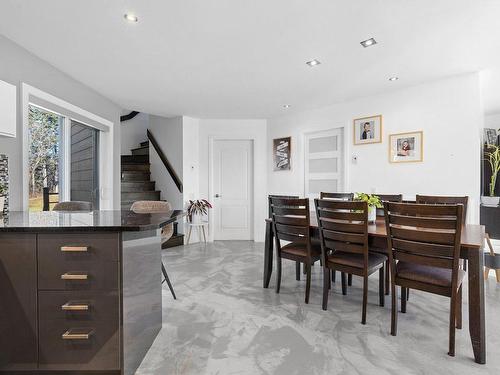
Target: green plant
x: 493, y: 157
x: 372, y: 199
x: 3, y: 190
x: 198, y: 207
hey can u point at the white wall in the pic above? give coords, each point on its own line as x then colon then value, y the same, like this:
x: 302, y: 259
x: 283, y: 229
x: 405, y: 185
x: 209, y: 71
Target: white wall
x: 133, y: 132
x: 17, y: 66
x: 242, y: 129
x: 492, y: 121
x: 449, y: 114
x: 168, y: 133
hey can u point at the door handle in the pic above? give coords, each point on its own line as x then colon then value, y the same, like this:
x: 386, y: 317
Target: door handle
x: 217, y: 196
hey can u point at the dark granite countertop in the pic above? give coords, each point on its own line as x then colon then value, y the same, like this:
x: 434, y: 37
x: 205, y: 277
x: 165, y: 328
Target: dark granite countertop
x: 52, y: 221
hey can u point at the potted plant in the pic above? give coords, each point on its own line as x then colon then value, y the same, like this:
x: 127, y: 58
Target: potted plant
x: 196, y: 209
x: 492, y: 156
x: 373, y: 201
x: 3, y: 194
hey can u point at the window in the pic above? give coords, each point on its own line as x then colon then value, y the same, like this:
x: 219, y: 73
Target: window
x: 323, y: 164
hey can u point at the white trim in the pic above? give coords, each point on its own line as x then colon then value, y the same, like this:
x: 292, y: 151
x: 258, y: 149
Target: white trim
x: 211, y: 192
x: 70, y: 111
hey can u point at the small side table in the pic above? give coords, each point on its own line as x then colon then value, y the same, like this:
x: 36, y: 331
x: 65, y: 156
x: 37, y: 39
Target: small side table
x: 201, y: 229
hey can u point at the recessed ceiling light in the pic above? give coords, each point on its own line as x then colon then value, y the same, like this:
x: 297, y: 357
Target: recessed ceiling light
x: 286, y: 106
x: 130, y: 17
x: 393, y: 78
x: 313, y: 62
x: 368, y: 42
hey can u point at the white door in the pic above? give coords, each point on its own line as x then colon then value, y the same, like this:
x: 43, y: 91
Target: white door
x: 233, y: 189
x: 323, y: 166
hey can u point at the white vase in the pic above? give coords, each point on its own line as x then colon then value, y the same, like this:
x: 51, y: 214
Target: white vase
x: 2, y: 203
x: 372, y: 214
x: 490, y: 201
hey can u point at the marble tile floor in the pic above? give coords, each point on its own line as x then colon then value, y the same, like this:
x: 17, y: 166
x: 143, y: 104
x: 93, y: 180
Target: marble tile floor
x: 224, y: 322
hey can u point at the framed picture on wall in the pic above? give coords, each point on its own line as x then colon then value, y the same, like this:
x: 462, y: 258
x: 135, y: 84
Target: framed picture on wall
x: 281, y: 153
x: 367, y: 130
x: 406, y: 147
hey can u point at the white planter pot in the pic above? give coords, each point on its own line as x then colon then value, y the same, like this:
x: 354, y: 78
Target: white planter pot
x: 2, y: 203
x: 490, y: 201
x: 196, y: 218
x: 372, y: 214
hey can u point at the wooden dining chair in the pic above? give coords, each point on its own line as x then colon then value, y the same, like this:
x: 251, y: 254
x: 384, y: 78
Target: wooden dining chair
x: 380, y: 212
x: 337, y: 196
x: 291, y: 222
x: 424, y: 244
x: 343, y: 230
x: 278, y: 196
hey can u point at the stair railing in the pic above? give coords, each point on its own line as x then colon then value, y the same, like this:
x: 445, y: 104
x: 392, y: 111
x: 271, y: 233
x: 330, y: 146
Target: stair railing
x: 166, y: 163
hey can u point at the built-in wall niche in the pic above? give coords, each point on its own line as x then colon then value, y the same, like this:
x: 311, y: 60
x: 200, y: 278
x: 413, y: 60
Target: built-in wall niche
x: 8, y: 101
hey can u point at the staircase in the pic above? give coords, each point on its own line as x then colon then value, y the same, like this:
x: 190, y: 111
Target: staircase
x: 137, y: 185
x: 136, y: 177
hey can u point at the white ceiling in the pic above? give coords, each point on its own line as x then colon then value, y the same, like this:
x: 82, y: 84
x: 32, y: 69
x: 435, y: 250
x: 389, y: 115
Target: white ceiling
x: 246, y: 58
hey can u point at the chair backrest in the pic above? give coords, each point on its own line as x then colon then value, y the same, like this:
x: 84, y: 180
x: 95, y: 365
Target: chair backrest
x: 73, y: 206
x: 291, y: 221
x: 147, y: 207
x: 424, y: 234
x: 337, y: 196
x: 278, y: 196
x: 343, y: 226
x: 388, y: 198
x: 437, y: 199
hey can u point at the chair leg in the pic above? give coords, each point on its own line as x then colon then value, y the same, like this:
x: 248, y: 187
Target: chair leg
x: 394, y: 309
x: 297, y: 271
x: 349, y: 279
x: 278, y: 273
x: 381, y: 286
x: 453, y: 311
x: 165, y: 275
x: 333, y: 275
x: 365, y: 298
x: 329, y: 279
x: 459, y: 308
x: 344, y: 286
x: 407, y: 294
x: 308, y: 281
x: 326, y: 287
x: 403, y: 299
x: 387, y: 278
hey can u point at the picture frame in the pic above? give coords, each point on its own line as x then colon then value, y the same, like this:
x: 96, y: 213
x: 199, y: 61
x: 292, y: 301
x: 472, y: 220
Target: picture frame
x: 406, y: 147
x: 281, y: 153
x: 367, y: 130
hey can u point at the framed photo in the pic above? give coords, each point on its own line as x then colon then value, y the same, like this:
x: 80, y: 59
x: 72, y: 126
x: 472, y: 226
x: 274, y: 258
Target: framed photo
x: 490, y: 136
x: 367, y: 130
x: 281, y: 153
x: 406, y: 147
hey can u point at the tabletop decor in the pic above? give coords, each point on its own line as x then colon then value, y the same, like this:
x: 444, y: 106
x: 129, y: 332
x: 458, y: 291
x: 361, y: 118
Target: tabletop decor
x: 492, y: 156
x: 196, y: 209
x: 373, y: 201
x: 367, y: 130
x: 406, y: 147
x: 281, y: 153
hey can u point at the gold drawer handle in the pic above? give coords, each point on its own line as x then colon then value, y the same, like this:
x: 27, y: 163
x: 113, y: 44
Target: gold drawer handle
x: 74, y: 306
x: 77, y: 334
x: 74, y: 276
x: 74, y: 249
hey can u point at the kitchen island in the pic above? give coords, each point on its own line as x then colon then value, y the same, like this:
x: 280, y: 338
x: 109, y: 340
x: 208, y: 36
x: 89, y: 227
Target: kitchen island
x: 80, y: 292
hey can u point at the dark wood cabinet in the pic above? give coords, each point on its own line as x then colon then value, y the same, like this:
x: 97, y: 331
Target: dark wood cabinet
x: 490, y: 218
x: 18, y: 302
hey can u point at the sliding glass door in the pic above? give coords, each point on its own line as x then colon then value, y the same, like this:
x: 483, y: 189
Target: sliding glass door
x: 84, y: 175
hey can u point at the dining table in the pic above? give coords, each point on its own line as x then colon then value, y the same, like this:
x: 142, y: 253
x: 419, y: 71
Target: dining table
x: 471, y: 249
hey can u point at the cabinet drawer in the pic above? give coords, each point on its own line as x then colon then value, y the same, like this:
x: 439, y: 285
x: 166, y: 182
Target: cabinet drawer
x: 78, y: 261
x: 83, y: 345
x: 78, y: 306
